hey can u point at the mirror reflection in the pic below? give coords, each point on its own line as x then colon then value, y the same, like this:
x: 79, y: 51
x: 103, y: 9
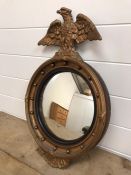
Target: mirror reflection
x: 68, y: 106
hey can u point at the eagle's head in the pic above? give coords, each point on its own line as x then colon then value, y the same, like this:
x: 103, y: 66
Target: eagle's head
x: 64, y: 11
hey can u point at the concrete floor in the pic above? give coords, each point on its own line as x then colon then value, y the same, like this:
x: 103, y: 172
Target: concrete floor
x: 19, y: 155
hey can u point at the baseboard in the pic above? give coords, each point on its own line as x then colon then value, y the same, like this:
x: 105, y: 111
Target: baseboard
x: 115, y: 152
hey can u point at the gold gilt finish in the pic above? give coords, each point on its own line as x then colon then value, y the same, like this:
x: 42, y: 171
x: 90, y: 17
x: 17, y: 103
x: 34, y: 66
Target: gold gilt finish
x: 66, y: 35
x: 69, y: 33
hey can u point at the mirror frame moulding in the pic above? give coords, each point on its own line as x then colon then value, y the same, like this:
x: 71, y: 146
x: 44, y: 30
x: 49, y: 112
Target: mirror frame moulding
x: 56, y: 154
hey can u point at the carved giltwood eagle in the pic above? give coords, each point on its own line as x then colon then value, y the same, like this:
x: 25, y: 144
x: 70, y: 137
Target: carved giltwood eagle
x: 69, y: 33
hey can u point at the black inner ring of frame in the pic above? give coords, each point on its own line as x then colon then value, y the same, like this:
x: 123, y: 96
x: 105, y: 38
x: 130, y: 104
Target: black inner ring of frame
x: 39, y: 111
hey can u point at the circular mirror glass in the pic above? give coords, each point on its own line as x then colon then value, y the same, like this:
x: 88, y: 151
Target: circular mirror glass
x: 68, y: 106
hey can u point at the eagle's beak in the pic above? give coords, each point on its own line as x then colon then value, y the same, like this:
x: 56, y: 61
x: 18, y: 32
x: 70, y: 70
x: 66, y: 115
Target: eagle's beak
x: 59, y: 11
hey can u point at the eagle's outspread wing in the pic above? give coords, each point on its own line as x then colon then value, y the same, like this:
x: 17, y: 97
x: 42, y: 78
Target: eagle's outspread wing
x: 86, y: 29
x: 53, y: 34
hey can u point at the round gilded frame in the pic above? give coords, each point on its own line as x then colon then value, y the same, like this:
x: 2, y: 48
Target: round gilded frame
x: 52, y: 147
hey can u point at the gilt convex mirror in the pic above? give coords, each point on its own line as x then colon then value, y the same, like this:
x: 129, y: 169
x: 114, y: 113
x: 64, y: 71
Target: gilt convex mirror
x: 67, y: 102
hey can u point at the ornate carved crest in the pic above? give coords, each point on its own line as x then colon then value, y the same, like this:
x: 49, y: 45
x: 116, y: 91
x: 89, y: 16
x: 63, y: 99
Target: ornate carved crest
x: 69, y: 33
